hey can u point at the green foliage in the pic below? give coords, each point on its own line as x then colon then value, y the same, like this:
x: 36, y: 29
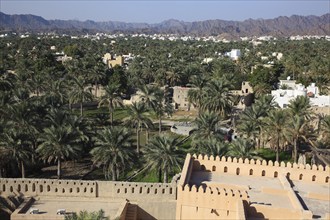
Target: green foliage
x: 84, y: 215
x: 113, y: 151
x: 73, y: 50
x: 162, y: 154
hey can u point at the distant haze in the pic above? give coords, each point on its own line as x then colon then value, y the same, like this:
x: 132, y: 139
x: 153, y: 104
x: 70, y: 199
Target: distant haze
x: 154, y: 11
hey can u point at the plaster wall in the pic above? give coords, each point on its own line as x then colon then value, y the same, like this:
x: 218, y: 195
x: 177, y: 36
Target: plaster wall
x: 92, y: 189
x: 310, y: 174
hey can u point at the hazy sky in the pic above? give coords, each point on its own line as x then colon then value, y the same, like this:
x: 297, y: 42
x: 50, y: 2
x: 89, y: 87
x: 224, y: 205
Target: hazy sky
x: 154, y: 11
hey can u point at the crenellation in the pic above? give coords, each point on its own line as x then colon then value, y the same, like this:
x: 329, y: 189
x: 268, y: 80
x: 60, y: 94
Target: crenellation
x: 270, y: 163
x: 261, y: 168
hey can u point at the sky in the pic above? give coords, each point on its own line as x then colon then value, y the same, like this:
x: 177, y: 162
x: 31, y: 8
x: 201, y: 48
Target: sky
x: 155, y: 11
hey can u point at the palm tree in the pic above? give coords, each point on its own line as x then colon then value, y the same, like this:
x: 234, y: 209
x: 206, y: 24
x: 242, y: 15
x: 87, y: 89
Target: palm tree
x: 97, y: 74
x: 251, y: 119
x: 80, y: 92
x: 325, y: 129
x: 55, y: 93
x: 296, y: 131
x: 218, y: 97
x: 149, y: 95
x: 249, y: 129
x: 161, y: 153
x: 84, y: 215
x: 113, y: 150
x: 208, y: 124
x: 111, y: 99
x: 242, y: 148
x: 300, y: 106
x: 17, y: 146
x: 195, y: 95
x: 213, y: 146
x: 276, y: 126
x: 60, y: 142
x: 155, y: 99
x: 137, y: 119
x: 161, y: 108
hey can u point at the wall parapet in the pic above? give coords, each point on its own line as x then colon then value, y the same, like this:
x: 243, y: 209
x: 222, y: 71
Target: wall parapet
x: 80, y: 188
x: 294, y: 171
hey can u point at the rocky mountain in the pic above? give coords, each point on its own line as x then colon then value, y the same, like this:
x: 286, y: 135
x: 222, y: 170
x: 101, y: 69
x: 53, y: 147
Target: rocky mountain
x: 281, y: 26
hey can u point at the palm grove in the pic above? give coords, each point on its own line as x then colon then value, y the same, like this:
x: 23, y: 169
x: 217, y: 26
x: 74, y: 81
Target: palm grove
x: 43, y: 119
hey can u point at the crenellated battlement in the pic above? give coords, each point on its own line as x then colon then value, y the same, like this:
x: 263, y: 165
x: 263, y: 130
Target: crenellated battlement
x: 216, y: 191
x: 270, y: 163
x: 79, y: 188
x: 294, y: 171
x: 48, y: 187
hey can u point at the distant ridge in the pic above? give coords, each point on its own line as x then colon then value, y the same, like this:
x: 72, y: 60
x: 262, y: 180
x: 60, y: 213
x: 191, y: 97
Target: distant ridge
x: 281, y: 26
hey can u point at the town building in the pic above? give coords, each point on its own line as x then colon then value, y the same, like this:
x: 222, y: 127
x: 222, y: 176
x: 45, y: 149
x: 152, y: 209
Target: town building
x: 113, y: 60
x: 234, y: 54
x: 180, y: 98
x: 289, y: 90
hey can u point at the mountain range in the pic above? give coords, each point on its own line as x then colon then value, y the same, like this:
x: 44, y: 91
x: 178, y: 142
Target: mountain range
x: 281, y: 26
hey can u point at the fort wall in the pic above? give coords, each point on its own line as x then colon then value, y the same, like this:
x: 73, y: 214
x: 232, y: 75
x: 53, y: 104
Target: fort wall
x: 92, y: 189
x: 317, y: 174
x: 210, y: 203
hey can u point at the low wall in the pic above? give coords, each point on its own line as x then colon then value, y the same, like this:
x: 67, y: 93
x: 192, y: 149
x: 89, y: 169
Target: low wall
x: 48, y: 187
x: 79, y: 188
x: 308, y: 173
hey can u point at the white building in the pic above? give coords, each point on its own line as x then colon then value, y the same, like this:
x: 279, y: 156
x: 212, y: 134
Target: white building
x: 293, y: 90
x: 234, y: 54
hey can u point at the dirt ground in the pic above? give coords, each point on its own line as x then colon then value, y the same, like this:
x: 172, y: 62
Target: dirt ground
x: 70, y: 170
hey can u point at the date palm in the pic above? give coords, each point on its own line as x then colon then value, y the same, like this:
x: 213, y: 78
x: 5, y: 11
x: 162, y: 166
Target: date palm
x: 17, y: 146
x: 80, y: 92
x: 218, y: 97
x: 162, y: 154
x: 55, y: 92
x: 242, y: 148
x: 137, y: 119
x: 208, y: 125
x: 297, y: 131
x: 213, y: 146
x: 300, y: 106
x: 325, y: 129
x: 84, y: 215
x: 62, y: 139
x: 195, y: 94
x: 111, y: 99
x: 113, y: 150
x: 276, y: 125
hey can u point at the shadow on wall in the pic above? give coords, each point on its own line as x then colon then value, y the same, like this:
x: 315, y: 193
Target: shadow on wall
x: 8, y: 206
x: 252, y: 212
x: 143, y: 215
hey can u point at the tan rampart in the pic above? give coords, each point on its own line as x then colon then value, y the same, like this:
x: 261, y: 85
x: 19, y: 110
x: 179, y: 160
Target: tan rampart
x: 186, y: 171
x: 136, y: 191
x: 79, y: 188
x: 210, y: 203
x: 48, y: 187
x: 310, y: 174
